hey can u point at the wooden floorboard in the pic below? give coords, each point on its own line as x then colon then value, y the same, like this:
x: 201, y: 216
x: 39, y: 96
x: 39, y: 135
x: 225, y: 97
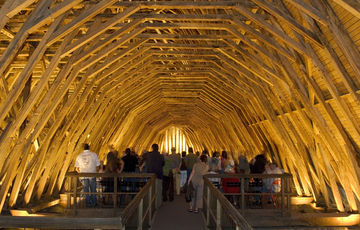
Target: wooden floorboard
x: 174, y: 216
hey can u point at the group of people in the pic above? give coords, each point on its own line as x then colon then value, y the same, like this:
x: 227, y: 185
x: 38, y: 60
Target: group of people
x: 174, y: 172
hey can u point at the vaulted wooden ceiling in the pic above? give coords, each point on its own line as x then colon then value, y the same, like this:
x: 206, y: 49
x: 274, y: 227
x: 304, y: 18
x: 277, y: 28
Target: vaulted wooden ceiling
x: 280, y: 76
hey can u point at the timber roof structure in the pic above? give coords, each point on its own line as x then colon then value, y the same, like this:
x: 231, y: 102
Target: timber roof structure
x: 280, y: 76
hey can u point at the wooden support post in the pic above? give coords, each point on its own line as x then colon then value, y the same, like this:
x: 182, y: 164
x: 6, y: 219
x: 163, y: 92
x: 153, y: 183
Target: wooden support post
x: 242, y: 181
x: 75, y: 195
x: 208, y: 207
x: 282, y: 195
x: 150, y: 196
x: 140, y: 215
x: 218, y: 215
x: 288, y: 194
x: 115, y: 195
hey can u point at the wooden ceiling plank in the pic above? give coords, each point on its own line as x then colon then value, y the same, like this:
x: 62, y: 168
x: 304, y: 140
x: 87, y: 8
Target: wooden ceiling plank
x: 38, y: 88
x: 339, y: 67
x: 347, y: 46
x: 11, y: 8
x: 332, y: 178
x: 37, y: 125
x: 278, y: 13
x: 93, y: 122
x: 183, y: 5
x: 46, y: 142
x: 8, y: 33
x: 50, y: 14
x: 352, y: 6
x: 257, y: 60
x: 106, y: 51
x: 17, y: 42
x: 309, y: 10
x: 345, y: 111
x: 183, y: 17
x: 80, y: 20
x: 101, y: 28
x: 267, y: 40
x: 274, y: 31
x: 7, y: 104
x: 246, y: 65
x: 101, y: 44
x: 89, y: 124
x: 279, y: 130
x: 289, y: 123
x: 326, y: 135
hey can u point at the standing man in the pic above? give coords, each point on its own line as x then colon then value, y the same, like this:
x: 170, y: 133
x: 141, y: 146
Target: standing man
x: 88, y: 162
x: 175, y: 164
x: 190, y: 160
x: 130, y: 163
x: 155, y: 162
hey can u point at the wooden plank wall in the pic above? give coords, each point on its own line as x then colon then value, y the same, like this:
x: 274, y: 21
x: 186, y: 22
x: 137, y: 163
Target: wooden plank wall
x: 274, y: 76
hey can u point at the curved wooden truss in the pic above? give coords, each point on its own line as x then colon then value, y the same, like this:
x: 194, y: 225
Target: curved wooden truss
x: 246, y: 76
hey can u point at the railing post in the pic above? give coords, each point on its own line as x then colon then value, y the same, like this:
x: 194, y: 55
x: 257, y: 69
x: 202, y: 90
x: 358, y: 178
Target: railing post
x: 150, y: 205
x: 156, y: 195
x: 288, y: 191
x: 115, y: 191
x: 208, y: 206
x: 218, y: 215
x: 140, y: 215
x: 68, y: 196
x: 242, y: 181
x: 75, y: 195
x: 282, y: 195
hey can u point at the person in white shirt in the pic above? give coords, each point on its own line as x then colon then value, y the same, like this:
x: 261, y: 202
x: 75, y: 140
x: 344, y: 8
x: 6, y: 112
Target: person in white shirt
x: 272, y: 185
x: 88, y: 162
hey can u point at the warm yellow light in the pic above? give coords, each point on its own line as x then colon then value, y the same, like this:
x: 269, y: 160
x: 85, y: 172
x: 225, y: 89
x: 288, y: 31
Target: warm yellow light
x: 174, y: 137
x: 36, y: 145
x: 332, y: 219
x: 23, y: 213
x: 352, y: 219
x: 300, y: 200
x: 313, y: 205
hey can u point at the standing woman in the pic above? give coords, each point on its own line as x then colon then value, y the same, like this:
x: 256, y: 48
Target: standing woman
x: 196, y: 178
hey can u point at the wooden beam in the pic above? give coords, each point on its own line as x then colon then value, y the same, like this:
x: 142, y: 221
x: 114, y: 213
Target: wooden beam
x: 272, y: 30
x: 309, y: 10
x: 18, y: 87
x: 283, y: 16
x: 352, y: 6
x: 96, y: 31
x: 80, y: 20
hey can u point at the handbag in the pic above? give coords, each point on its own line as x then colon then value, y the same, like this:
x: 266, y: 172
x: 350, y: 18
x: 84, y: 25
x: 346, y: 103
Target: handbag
x: 189, y: 189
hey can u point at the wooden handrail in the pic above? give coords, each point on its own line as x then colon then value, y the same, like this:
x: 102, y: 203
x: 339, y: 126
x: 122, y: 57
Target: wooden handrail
x: 253, y: 175
x: 128, y: 175
x: 132, y: 206
x: 227, y: 207
x: 59, y: 222
x: 118, y: 222
x: 224, y: 206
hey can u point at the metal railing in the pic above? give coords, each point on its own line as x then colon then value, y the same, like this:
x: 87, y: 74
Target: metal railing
x: 137, y: 214
x: 220, y: 213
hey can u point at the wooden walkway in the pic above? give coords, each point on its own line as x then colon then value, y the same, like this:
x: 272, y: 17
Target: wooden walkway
x: 174, y: 215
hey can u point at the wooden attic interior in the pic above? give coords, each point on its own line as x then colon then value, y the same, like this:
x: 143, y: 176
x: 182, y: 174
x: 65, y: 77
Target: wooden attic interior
x: 280, y: 76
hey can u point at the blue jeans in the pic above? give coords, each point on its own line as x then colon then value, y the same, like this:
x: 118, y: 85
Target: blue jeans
x: 188, y: 172
x: 128, y: 185
x: 89, y: 185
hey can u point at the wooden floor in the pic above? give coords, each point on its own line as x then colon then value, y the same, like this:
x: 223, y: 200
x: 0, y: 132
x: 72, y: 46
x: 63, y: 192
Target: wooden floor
x: 174, y: 216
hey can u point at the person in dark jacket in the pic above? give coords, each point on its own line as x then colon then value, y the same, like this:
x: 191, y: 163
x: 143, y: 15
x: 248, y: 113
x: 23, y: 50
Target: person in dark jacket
x: 130, y: 161
x: 154, y: 164
x: 257, y: 166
